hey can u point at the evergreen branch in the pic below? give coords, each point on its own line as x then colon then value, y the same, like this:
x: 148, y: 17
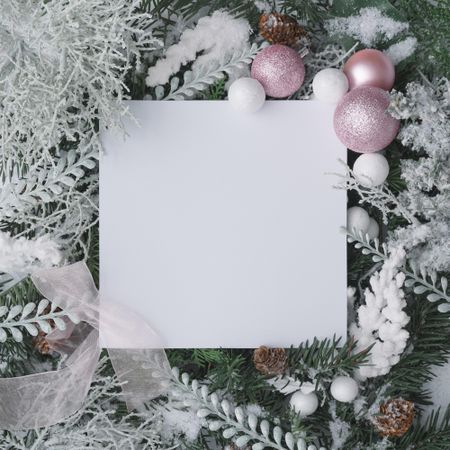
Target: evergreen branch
x: 434, y: 434
x: 418, y: 279
x: 19, y: 316
x: 235, y: 423
x: 325, y: 358
x: 428, y: 347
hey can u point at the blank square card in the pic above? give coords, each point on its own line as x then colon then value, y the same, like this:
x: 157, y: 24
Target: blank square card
x: 222, y: 229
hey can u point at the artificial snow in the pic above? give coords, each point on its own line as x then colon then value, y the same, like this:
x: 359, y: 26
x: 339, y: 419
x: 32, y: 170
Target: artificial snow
x: 216, y: 36
x: 369, y: 27
x: 381, y: 320
x: 401, y: 50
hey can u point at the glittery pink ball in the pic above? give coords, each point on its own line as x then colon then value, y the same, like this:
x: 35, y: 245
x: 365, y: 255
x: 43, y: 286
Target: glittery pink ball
x: 370, y: 68
x: 279, y: 69
x: 361, y: 120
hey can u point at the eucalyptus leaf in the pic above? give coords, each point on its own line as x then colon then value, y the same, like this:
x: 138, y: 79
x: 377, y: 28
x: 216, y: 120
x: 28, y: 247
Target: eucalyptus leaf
x: 3, y: 335
x: 27, y: 310
x: 229, y: 433
x: 241, y: 441
x: 16, y: 334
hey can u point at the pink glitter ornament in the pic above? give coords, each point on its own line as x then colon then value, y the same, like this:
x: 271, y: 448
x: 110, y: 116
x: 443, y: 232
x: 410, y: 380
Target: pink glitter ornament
x: 361, y: 120
x: 370, y: 68
x: 279, y: 69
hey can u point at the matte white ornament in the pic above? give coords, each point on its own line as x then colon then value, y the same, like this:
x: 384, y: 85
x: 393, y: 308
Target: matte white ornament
x: 371, y: 169
x: 374, y: 229
x: 246, y: 95
x: 344, y: 389
x: 304, y: 404
x: 358, y: 219
x: 330, y: 85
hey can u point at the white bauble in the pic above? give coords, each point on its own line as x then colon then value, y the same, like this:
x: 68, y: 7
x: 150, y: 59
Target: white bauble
x: 374, y: 229
x: 344, y: 389
x: 330, y: 85
x: 358, y: 219
x: 304, y: 404
x: 246, y: 95
x: 371, y: 169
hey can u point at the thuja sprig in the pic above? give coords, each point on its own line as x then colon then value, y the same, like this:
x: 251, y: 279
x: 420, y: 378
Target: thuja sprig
x: 418, y: 279
x: 235, y: 423
x: 18, y: 318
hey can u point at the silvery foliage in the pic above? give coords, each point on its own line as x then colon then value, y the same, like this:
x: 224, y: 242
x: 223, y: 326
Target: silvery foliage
x: 425, y: 110
x: 239, y: 424
x: 31, y: 318
x: 95, y: 425
x: 62, y: 70
x: 418, y: 279
x: 425, y: 202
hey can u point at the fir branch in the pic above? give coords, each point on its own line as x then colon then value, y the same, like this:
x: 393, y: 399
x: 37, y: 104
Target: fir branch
x: 428, y: 347
x: 434, y: 434
x: 325, y: 358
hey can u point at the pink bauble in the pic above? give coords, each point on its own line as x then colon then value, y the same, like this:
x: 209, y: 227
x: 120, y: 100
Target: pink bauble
x: 361, y: 120
x: 279, y: 69
x: 370, y: 68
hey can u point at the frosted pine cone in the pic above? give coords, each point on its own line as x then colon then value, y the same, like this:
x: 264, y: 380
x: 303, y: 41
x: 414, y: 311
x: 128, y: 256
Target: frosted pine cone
x: 270, y: 361
x: 281, y: 29
x: 396, y: 417
x: 40, y: 343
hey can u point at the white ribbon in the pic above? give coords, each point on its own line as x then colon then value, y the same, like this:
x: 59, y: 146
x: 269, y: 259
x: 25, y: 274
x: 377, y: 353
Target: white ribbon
x: 43, y: 399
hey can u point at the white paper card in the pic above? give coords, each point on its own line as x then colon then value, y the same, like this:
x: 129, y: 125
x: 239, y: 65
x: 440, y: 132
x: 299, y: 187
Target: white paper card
x: 222, y: 229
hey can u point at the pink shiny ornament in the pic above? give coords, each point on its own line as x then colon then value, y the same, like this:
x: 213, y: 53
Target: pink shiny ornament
x: 361, y: 120
x: 279, y: 69
x: 370, y: 68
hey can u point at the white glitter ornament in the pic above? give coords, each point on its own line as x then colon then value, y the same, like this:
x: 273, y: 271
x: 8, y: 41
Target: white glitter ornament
x: 330, y: 85
x: 304, y: 404
x: 344, y: 389
x: 374, y: 229
x: 371, y: 169
x: 357, y: 219
x: 246, y: 95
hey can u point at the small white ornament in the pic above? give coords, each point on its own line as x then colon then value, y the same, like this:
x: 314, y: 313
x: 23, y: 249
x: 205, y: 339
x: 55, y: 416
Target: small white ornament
x: 371, y: 169
x: 246, y: 95
x: 304, y: 404
x: 358, y: 219
x: 344, y: 389
x: 330, y: 85
x: 374, y: 229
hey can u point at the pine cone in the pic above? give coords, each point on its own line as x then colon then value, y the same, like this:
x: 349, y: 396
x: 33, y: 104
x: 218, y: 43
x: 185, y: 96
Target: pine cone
x: 40, y: 343
x: 270, y: 361
x: 281, y: 29
x: 396, y: 417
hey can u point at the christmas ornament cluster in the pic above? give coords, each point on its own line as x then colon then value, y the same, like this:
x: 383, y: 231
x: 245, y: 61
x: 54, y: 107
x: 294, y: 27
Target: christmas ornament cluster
x: 395, y: 416
x: 360, y: 91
